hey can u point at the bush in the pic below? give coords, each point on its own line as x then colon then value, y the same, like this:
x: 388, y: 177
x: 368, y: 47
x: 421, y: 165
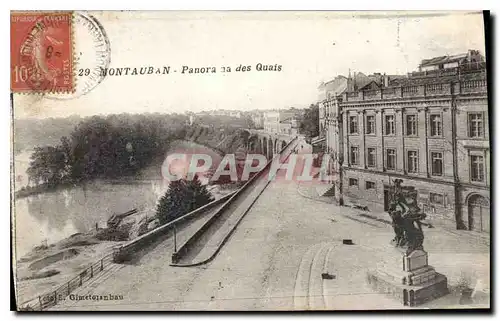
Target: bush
x: 181, y: 198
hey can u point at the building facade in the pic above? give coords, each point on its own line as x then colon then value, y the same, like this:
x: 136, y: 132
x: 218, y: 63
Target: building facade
x: 289, y: 126
x: 430, y: 129
x: 257, y: 119
x: 281, y: 122
x: 327, y: 91
x: 271, y: 121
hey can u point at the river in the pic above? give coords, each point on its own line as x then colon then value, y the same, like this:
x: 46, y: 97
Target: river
x: 52, y: 216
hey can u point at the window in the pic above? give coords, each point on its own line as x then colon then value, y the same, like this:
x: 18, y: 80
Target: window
x: 353, y: 182
x: 411, y: 125
x: 412, y: 161
x: 476, y: 168
x: 353, y: 124
x: 436, y: 198
x: 436, y: 129
x: 476, y: 125
x: 369, y: 185
x: 354, y: 155
x: 370, y: 124
x: 390, y: 159
x: 437, y: 163
x: 389, y: 125
x: 371, y: 159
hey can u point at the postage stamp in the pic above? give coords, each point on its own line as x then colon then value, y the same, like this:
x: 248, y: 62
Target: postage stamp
x: 41, y: 52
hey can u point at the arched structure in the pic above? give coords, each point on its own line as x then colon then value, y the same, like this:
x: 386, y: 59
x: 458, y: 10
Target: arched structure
x: 264, y: 146
x: 478, y: 213
x: 254, y: 144
x: 266, y: 143
x: 270, y: 148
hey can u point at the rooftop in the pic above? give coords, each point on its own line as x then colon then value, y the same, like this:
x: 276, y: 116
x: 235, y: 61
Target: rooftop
x: 471, y: 56
x: 471, y: 73
x: 443, y: 60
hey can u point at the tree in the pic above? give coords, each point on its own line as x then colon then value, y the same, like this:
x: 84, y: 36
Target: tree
x: 197, y: 194
x: 47, y: 165
x: 310, y: 122
x: 121, y: 145
x: 181, y: 198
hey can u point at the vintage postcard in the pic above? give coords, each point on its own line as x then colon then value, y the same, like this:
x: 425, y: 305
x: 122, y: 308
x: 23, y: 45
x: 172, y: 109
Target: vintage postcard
x: 243, y: 161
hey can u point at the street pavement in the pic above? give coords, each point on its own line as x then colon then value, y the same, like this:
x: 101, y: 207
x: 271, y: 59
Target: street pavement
x: 274, y: 261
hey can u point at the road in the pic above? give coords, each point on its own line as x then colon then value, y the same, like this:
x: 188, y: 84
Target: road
x: 271, y: 262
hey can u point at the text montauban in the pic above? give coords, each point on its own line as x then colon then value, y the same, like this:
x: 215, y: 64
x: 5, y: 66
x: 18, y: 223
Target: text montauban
x: 165, y: 70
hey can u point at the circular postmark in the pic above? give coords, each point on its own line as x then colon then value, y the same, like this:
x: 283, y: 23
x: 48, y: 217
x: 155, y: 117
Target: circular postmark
x: 92, y: 54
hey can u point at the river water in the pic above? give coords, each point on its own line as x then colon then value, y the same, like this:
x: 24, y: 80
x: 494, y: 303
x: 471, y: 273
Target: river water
x: 52, y: 216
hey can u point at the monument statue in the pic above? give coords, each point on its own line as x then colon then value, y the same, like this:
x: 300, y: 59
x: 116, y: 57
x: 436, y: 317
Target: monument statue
x: 409, y: 278
x: 406, y: 218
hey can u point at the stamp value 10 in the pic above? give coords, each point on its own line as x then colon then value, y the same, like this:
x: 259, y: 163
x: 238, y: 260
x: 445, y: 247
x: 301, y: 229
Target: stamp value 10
x: 41, y: 52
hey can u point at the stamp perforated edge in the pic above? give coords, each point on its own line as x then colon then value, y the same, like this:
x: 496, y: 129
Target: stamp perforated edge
x: 72, y: 56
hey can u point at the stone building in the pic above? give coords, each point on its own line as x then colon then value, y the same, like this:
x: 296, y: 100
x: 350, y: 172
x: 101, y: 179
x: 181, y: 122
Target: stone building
x: 282, y: 121
x: 289, y: 126
x: 257, y: 119
x: 271, y: 121
x: 429, y: 128
x: 341, y: 84
x: 328, y: 90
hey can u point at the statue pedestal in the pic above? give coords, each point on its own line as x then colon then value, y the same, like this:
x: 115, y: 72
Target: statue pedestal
x: 412, y: 281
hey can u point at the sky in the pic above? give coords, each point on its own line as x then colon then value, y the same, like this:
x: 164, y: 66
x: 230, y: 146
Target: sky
x: 311, y: 47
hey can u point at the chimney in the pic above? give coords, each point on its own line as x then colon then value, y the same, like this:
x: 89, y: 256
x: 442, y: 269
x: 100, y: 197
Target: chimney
x: 349, y: 82
x: 386, y: 80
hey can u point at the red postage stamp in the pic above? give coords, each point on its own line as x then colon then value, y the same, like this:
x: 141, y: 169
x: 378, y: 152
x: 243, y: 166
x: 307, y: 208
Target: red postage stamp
x: 41, y: 52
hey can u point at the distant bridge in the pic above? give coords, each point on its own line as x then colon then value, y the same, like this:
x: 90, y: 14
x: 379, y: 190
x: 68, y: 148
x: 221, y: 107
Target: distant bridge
x: 267, y: 143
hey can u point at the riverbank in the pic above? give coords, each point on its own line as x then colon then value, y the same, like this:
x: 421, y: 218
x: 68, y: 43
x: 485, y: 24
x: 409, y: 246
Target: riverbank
x: 47, y: 266
x: 26, y: 191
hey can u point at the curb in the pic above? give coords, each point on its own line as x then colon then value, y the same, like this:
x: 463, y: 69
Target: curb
x: 226, y: 237
x: 310, y: 197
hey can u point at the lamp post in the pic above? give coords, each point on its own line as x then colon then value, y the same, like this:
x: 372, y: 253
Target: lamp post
x: 175, y: 239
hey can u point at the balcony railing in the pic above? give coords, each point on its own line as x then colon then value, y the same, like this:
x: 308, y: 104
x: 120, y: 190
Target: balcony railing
x: 437, y: 89
x: 424, y: 90
x: 410, y: 90
x: 433, y: 87
x: 473, y: 86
